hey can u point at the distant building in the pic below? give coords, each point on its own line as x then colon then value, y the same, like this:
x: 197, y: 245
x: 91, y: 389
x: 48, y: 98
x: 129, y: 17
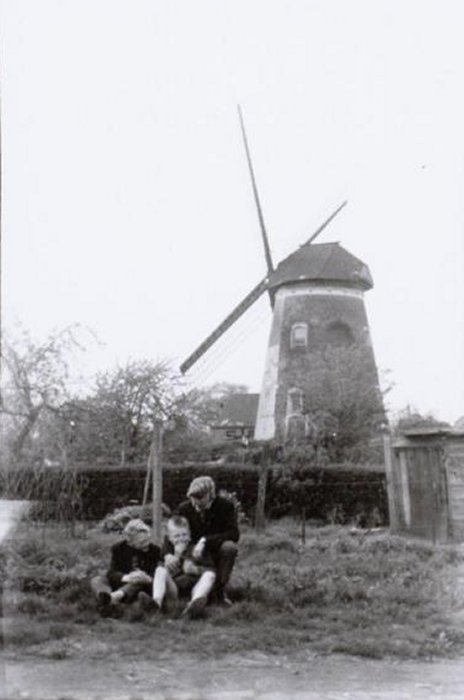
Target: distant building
x: 459, y: 425
x: 236, y: 419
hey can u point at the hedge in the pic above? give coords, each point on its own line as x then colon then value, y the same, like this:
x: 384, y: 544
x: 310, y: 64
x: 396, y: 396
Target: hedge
x: 332, y: 494
x: 340, y: 494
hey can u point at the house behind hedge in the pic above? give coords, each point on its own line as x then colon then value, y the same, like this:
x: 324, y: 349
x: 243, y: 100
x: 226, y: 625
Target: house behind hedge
x: 236, y: 418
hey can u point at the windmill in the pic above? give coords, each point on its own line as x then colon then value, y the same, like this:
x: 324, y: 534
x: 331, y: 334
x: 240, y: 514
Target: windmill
x: 316, y: 296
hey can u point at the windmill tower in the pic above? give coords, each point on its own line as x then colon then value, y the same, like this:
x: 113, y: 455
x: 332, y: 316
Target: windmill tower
x: 316, y: 295
x: 318, y: 304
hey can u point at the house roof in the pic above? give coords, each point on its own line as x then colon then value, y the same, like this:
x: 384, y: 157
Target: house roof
x: 426, y: 432
x: 323, y: 262
x: 238, y: 409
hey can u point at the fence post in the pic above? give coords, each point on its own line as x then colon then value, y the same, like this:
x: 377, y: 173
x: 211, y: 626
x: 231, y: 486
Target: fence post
x: 392, y: 509
x: 260, y: 519
x: 146, y: 485
x: 156, y: 452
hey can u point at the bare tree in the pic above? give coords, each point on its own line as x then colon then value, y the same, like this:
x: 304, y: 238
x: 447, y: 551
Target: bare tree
x: 35, y: 382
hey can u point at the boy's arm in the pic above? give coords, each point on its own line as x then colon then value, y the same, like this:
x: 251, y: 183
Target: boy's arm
x: 173, y: 564
x: 168, y: 557
x: 229, y: 527
x: 117, y: 568
x: 147, y: 565
x: 121, y: 565
x: 155, y: 558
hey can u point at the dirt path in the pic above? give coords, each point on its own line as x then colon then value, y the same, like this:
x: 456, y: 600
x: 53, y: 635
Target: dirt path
x: 251, y: 677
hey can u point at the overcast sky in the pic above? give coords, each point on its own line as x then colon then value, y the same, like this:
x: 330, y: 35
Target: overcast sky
x: 127, y: 205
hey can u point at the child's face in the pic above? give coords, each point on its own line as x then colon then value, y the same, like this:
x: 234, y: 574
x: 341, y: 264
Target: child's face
x: 139, y: 540
x: 201, y: 503
x: 178, y: 535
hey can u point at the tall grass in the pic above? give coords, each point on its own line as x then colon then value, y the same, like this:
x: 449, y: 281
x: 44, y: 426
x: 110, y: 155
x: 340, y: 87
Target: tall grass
x: 355, y: 592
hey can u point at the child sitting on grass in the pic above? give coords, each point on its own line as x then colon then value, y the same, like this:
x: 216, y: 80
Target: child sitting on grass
x: 130, y: 574
x: 182, y: 571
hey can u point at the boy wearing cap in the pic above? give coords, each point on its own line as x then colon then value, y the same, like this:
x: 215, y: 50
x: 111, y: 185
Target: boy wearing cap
x: 131, y: 570
x: 214, y: 530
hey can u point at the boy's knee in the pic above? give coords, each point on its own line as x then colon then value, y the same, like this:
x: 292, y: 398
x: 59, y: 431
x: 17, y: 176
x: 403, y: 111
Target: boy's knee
x: 228, y: 549
x: 208, y: 575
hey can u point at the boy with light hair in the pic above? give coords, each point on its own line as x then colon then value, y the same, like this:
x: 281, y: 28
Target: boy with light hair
x: 183, y: 570
x: 130, y: 574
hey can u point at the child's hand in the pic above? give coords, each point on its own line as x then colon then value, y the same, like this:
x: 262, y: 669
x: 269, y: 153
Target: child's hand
x: 137, y: 576
x: 190, y: 568
x: 172, y: 564
x: 180, y: 547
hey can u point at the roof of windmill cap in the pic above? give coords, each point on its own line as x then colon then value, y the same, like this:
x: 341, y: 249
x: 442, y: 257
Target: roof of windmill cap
x: 322, y: 262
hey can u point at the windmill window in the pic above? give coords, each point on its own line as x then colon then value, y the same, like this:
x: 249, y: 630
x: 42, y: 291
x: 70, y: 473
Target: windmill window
x: 339, y: 333
x: 299, y: 335
x: 295, y: 402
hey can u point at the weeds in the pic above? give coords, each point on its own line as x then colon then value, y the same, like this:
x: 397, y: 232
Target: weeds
x: 345, y: 591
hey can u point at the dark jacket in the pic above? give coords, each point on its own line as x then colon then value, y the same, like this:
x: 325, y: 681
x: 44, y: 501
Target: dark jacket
x: 125, y: 559
x: 216, y: 525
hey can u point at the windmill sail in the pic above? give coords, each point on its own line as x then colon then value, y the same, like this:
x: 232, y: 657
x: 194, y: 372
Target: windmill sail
x: 326, y: 222
x: 267, y: 247
x: 226, y: 323
x: 266, y: 284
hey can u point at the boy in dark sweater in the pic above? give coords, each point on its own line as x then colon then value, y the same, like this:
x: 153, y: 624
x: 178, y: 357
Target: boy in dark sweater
x: 131, y: 570
x: 214, y: 530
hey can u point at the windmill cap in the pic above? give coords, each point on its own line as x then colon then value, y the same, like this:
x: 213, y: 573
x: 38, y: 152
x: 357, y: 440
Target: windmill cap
x: 322, y: 262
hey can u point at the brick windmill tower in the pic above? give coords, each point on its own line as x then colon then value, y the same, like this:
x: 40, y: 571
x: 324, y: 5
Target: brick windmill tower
x: 319, y: 324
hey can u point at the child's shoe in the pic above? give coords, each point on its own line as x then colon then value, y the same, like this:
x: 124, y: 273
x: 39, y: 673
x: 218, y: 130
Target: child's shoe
x: 104, y: 605
x: 147, y: 604
x: 195, y: 608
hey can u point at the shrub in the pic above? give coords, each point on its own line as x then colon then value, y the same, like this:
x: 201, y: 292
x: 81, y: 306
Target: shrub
x: 118, y: 519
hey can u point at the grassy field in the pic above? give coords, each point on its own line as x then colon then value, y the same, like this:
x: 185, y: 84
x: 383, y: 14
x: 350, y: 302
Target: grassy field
x: 351, y: 591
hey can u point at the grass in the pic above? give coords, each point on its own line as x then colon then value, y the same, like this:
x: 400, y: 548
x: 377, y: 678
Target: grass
x: 360, y: 593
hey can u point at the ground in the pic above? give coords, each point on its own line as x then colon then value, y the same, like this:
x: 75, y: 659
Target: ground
x: 304, y: 676
x: 250, y: 658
